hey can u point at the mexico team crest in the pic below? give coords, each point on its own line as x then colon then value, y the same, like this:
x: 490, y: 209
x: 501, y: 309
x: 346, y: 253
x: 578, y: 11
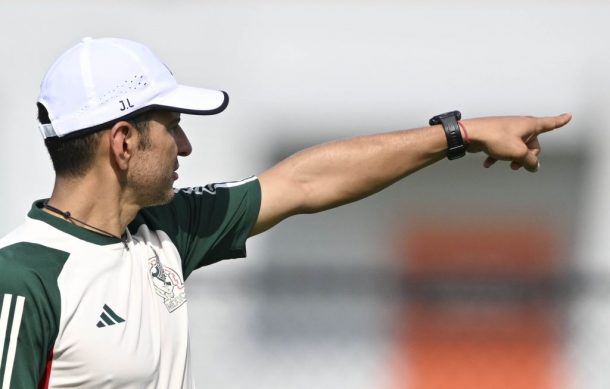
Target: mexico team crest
x: 167, y: 283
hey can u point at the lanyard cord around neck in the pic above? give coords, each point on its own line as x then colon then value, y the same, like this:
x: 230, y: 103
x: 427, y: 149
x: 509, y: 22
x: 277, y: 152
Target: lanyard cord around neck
x: 68, y: 216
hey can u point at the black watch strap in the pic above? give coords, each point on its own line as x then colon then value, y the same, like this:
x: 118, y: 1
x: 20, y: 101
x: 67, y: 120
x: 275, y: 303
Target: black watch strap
x: 455, y: 143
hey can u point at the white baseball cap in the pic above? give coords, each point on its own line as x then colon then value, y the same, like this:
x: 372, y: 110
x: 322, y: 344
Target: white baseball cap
x: 100, y: 81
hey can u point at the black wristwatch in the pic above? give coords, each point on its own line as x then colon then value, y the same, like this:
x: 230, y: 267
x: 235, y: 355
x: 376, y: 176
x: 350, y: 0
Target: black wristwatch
x: 455, y: 143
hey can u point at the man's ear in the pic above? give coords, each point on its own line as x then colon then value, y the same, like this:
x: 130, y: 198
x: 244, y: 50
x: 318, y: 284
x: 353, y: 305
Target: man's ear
x: 123, y: 143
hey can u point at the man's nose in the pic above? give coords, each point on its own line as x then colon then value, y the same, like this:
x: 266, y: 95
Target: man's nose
x: 183, y: 143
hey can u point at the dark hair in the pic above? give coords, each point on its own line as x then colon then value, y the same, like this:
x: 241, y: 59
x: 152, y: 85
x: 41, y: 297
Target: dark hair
x: 73, y: 156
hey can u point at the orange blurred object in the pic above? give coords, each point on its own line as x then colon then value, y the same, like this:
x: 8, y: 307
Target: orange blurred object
x: 471, y: 339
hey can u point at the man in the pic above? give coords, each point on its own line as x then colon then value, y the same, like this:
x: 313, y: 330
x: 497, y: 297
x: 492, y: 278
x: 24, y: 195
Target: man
x: 92, y: 284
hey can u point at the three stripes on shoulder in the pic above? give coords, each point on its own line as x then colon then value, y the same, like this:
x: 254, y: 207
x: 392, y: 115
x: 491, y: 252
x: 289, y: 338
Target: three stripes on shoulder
x: 10, y: 322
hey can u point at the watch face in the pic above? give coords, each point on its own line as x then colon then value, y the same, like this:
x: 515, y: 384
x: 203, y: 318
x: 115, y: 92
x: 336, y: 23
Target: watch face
x: 456, y: 114
x: 437, y: 119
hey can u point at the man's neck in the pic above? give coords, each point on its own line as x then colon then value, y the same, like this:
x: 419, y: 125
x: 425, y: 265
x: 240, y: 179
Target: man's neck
x: 93, y: 203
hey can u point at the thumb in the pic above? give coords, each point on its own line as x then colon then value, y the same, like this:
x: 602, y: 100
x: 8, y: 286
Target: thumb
x: 531, y: 162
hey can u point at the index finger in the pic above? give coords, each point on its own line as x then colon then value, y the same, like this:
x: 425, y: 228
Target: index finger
x: 549, y: 123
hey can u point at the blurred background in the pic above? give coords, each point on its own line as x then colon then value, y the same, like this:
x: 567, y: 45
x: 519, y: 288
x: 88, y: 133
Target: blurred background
x: 456, y: 277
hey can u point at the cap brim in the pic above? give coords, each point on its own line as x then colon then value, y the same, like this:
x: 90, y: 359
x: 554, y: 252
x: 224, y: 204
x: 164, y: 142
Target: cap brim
x: 182, y: 98
x: 193, y: 101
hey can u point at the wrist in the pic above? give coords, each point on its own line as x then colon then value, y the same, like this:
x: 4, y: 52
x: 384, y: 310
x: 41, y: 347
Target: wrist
x: 465, y: 133
x: 474, y: 133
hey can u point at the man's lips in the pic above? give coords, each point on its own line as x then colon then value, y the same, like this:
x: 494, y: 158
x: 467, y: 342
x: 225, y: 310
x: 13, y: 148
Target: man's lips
x: 175, y: 173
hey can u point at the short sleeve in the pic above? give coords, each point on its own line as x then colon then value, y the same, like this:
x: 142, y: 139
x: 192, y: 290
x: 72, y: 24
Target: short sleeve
x: 29, y: 312
x: 209, y: 223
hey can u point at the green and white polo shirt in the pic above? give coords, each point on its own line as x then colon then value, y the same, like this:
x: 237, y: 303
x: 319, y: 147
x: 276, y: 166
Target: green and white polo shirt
x: 79, y: 309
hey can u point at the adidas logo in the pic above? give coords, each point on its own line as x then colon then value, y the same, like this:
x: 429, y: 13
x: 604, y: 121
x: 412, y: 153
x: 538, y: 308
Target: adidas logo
x: 109, y: 318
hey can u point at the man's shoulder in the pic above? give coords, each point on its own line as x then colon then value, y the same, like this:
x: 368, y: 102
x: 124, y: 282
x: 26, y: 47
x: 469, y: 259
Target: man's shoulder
x: 30, y: 253
x: 27, y: 265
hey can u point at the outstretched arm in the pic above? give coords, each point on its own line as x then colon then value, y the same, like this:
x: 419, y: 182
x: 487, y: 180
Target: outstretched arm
x: 339, y: 172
